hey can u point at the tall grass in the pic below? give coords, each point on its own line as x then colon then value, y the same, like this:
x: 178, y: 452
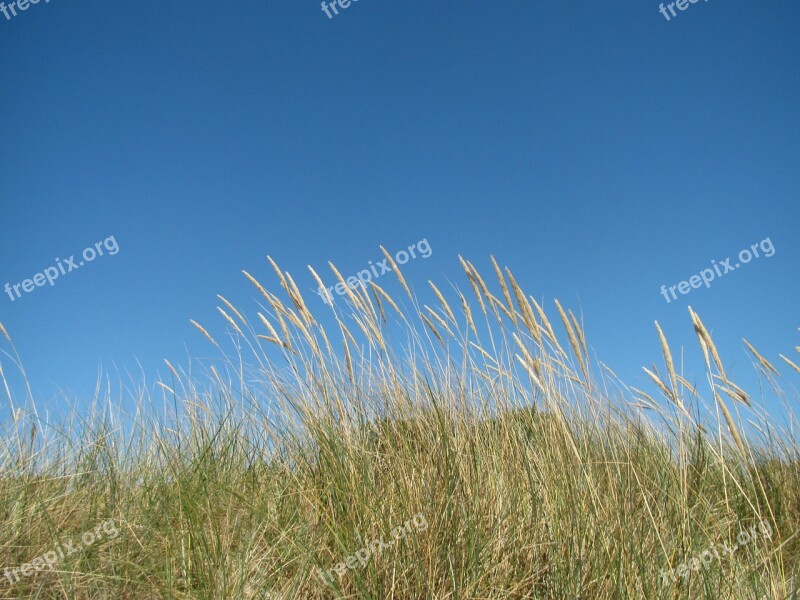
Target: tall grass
x: 539, y: 474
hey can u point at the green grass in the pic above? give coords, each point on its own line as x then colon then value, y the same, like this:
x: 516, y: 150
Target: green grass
x: 538, y: 474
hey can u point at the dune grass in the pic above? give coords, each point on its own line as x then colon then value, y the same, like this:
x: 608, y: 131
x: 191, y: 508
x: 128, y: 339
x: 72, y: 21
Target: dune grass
x: 276, y: 470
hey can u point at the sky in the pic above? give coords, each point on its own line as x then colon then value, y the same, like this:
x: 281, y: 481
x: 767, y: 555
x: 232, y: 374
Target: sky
x: 598, y: 149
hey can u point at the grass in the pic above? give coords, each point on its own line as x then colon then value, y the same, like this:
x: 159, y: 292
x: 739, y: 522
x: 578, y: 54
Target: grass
x: 537, y: 473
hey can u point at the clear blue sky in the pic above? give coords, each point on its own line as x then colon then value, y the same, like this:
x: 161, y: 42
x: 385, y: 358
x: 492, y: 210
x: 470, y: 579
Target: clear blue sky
x: 596, y: 148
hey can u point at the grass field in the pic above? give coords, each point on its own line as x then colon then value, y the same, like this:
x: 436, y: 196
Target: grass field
x: 474, y: 449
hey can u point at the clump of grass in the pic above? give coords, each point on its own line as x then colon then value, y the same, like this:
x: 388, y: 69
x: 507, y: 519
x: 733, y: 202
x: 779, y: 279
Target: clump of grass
x: 539, y: 474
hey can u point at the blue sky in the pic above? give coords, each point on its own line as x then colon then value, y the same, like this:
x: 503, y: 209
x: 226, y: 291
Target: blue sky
x: 597, y: 149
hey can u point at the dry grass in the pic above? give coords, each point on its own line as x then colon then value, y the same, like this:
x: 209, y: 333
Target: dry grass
x: 540, y: 475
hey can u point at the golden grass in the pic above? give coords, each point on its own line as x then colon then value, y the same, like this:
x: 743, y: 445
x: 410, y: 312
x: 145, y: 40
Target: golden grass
x: 539, y: 473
